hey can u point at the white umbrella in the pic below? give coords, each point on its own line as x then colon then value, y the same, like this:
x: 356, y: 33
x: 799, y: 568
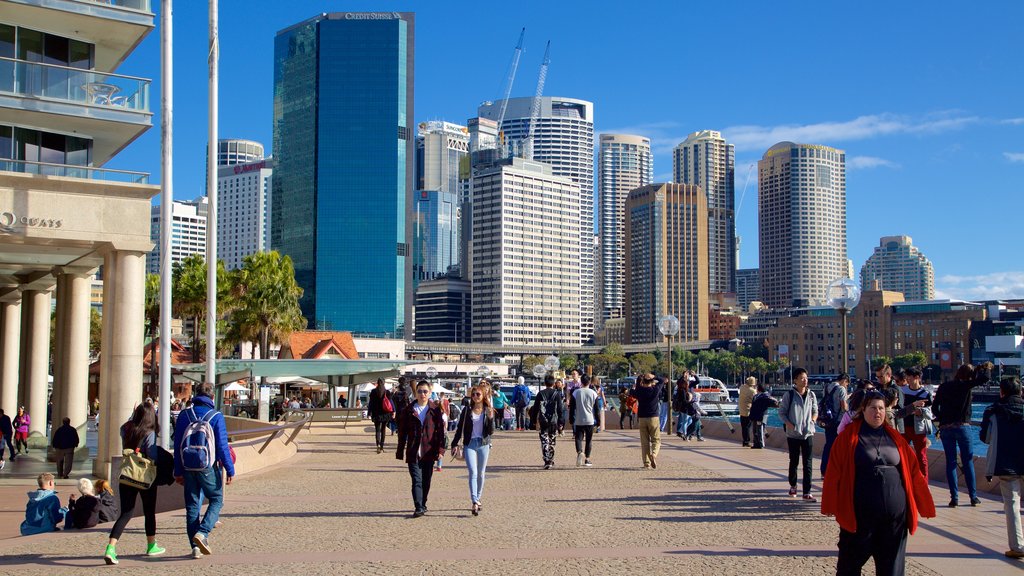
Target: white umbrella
x: 235, y: 387
x: 438, y: 389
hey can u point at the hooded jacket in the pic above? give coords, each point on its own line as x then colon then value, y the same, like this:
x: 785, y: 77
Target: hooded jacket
x: 799, y: 413
x: 42, y: 513
x: 1002, y: 428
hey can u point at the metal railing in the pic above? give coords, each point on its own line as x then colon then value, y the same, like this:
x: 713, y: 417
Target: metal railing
x: 87, y: 87
x: 272, y: 432
x: 140, y: 5
x: 70, y: 171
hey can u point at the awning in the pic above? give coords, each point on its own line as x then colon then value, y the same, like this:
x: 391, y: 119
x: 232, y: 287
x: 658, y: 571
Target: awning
x: 334, y: 372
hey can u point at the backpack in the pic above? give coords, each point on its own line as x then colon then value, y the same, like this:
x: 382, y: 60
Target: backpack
x: 454, y: 411
x: 387, y: 405
x: 826, y: 412
x: 550, y: 408
x: 198, y: 443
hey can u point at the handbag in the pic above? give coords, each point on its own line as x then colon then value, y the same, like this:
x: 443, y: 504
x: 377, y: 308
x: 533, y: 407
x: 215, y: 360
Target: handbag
x: 923, y: 422
x: 388, y: 406
x: 137, y: 471
x: 164, y: 467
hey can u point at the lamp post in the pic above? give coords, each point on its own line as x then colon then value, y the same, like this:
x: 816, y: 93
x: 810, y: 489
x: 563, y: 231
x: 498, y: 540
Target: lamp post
x: 539, y: 370
x: 843, y: 294
x: 668, y: 325
x: 551, y: 363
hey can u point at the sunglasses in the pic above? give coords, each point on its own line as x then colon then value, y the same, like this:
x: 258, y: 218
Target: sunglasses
x: 423, y: 391
x: 477, y: 394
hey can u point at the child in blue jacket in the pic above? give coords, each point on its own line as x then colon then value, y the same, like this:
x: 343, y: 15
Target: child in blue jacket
x: 43, y: 511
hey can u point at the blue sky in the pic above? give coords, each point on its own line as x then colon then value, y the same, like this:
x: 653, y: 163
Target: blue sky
x: 924, y: 98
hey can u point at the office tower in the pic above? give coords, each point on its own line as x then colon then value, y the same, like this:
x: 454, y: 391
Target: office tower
x: 243, y: 210
x: 343, y: 175
x: 525, y: 259
x: 444, y: 310
x: 231, y: 151
x: 666, y: 261
x: 563, y: 137
x: 900, y: 267
x: 801, y: 222
x: 747, y: 287
x: 624, y: 163
x: 440, y: 149
x: 188, y: 232
x: 704, y: 159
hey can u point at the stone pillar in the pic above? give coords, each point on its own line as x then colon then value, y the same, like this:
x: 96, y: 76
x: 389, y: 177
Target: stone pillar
x: 60, y: 322
x: 10, y: 355
x: 122, y: 359
x: 71, y: 375
x: 36, y: 352
x: 101, y: 465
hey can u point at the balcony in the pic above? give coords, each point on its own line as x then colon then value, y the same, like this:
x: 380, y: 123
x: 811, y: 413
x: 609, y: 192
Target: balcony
x: 115, y: 27
x: 69, y: 171
x: 110, y: 109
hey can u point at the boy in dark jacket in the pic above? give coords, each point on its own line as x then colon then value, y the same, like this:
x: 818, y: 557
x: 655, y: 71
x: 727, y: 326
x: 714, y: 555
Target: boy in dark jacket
x: 758, y: 408
x: 1002, y: 428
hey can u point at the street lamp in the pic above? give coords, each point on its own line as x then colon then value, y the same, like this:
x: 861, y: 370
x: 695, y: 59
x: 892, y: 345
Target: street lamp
x: 843, y: 294
x: 551, y: 363
x: 539, y: 370
x: 668, y: 325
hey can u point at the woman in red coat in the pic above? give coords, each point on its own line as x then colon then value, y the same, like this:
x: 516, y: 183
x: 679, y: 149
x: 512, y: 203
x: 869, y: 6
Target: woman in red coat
x: 421, y: 435
x: 876, y: 491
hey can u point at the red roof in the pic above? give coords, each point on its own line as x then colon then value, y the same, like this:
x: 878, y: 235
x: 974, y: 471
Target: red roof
x: 311, y: 344
x: 179, y: 355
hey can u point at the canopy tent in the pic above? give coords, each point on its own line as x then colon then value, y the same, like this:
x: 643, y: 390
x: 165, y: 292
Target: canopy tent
x: 438, y: 389
x: 236, y: 387
x: 371, y: 385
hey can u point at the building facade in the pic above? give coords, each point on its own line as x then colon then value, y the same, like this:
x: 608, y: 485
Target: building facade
x: 801, y: 222
x: 444, y: 310
x: 562, y: 137
x: 525, y: 283
x: 747, y: 287
x: 188, y: 232
x: 666, y: 261
x: 706, y: 160
x: 441, y: 150
x: 231, y: 151
x: 624, y: 163
x: 243, y: 210
x: 343, y: 176
x: 900, y: 267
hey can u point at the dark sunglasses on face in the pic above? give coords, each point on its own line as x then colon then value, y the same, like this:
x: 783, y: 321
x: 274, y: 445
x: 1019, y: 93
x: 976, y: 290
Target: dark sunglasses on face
x: 477, y: 394
x: 423, y: 391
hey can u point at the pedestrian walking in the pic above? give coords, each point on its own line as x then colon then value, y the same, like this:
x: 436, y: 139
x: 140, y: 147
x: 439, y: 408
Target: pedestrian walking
x: 583, y: 412
x: 560, y: 386
x: 798, y: 411
x: 1002, y: 428
x: 21, y: 423
x: 602, y: 403
x: 473, y: 441
x: 401, y: 396
x: 875, y: 491
x: 521, y: 397
x: 762, y: 402
x: 952, y: 407
x: 6, y: 438
x: 747, y: 392
x: 547, y: 412
x: 421, y: 434
x: 500, y: 401
x: 381, y: 410
x: 65, y: 441
x: 681, y: 404
x: 833, y: 405
x: 895, y: 402
x: 627, y: 409
x: 647, y: 393
x: 664, y: 404
x: 138, y: 434
x: 695, y: 428
x: 917, y: 422
x: 202, y: 457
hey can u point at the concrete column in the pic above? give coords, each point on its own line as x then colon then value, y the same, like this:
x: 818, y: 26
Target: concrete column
x: 10, y: 355
x: 101, y: 466
x: 60, y: 322
x: 124, y: 383
x: 73, y: 341
x: 36, y: 351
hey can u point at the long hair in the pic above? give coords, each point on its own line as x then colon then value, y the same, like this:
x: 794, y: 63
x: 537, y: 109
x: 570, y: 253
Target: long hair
x: 965, y: 373
x: 485, y: 395
x: 142, y: 422
x: 102, y: 486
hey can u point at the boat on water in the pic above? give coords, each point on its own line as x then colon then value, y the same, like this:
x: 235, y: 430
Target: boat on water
x: 715, y: 397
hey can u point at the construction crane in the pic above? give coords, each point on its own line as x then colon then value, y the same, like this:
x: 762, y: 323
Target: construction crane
x: 508, y: 92
x: 535, y: 107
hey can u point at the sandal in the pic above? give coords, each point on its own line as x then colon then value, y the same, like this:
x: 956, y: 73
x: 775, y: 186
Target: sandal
x: 476, y: 509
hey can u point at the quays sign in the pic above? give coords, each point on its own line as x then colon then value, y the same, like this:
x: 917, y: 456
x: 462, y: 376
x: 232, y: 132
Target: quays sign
x: 10, y: 222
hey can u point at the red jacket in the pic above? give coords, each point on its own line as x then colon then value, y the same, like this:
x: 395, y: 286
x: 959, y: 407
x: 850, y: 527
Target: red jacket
x: 837, y: 493
x: 411, y: 434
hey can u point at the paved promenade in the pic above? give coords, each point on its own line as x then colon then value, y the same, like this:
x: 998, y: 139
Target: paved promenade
x: 340, y: 508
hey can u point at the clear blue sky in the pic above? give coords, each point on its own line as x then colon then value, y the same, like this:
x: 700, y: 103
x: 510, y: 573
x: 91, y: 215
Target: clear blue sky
x: 924, y: 98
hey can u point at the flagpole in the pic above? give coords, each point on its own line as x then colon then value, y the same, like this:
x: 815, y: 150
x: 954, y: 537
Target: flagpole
x: 211, y: 217
x: 166, y: 205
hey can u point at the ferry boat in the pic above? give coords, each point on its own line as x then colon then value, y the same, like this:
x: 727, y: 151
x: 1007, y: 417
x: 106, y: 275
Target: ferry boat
x: 715, y: 398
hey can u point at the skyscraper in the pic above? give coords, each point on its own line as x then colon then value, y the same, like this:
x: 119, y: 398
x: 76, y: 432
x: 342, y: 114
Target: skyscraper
x: 525, y: 260
x: 440, y: 149
x: 624, y: 163
x: 666, y: 261
x: 747, y: 286
x: 243, y: 209
x: 704, y: 159
x: 900, y: 267
x: 801, y: 222
x: 563, y: 137
x: 188, y: 232
x: 231, y: 151
x: 343, y: 181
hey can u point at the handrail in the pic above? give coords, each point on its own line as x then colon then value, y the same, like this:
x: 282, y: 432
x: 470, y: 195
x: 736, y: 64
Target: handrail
x: 79, y: 85
x: 139, y: 5
x: 272, y: 432
x: 72, y: 171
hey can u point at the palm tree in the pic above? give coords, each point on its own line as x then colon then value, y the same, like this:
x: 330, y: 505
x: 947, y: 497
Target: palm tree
x: 268, y: 299
x: 152, y: 315
x: 189, y: 294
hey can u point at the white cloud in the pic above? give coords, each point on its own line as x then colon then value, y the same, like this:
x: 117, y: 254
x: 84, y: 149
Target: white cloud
x: 993, y: 286
x: 863, y: 162
x: 1012, y: 121
x: 1015, y: 157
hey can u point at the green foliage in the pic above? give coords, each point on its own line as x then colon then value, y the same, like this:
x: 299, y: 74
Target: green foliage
x: 568, y: 362
x: 267, y: 300
x: 188, y: 294
x: 530, y: 361
x: 643, y: 362
x: 880, y: 360
x: 910, y: 360
x: 610, y: 362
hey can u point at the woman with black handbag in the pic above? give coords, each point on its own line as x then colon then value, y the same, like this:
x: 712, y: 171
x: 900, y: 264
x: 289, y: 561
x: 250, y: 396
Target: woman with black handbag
x: 139, y: 434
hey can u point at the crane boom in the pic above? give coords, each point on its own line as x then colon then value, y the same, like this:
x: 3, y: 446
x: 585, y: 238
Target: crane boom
x: 508, y: 90
x: 535, y: 105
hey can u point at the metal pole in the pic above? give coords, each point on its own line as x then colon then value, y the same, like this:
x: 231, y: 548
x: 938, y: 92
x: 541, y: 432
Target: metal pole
x: 211, y: 218
x: 846, y: 362
x: 668, y: 422
x: 166, y: 203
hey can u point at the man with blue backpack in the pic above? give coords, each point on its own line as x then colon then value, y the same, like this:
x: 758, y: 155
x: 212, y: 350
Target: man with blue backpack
x: 201, y: 456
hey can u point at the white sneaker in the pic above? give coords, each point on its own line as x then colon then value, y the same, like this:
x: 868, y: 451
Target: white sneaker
x: 2, y: 464
x: 579, y: 459
x: 196, y: 552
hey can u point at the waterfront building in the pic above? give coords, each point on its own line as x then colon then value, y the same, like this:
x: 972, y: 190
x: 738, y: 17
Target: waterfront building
x: 706, y: 160
x: 525, y: 283
x: 563, y: 138
x: 900, y: 267
x: 747, y: 287
x: 624, y: 163
x: 343, y: 177
x: 243, y: 210
x: 188, y: 232
x: 443, y: 310
x: 801, y: 222
x: 666, y: 261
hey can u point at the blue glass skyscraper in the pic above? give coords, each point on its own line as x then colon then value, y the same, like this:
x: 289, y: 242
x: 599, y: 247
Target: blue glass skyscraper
x: 343, y: 139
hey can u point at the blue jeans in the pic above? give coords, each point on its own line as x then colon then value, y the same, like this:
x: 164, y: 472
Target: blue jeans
x: 830, y: 437
x: 208, y: 483
x: 663, y: 416
x: 476, y: 453
x: 682, y: 422
x: 953, y: 437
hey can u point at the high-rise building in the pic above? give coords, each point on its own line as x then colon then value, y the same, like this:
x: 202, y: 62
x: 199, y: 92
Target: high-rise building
x: 704, y: 159
x: 624, y: 163
x: 440, y: 148
x: 562, y: 137
x: 444, y: 310
x: 666, y: 261
x: 188, y: 232
x: 436, y: 244
x: 243, y: 210
x: 231, y: 151
x: 900, y: 267
x: 525, y: 259
x: 343, y: 176
x: 747, y: 287
x: 801, y: 222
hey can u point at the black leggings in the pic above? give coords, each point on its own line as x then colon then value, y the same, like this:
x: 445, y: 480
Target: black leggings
x: 380, y: 429
x: 128, y: 494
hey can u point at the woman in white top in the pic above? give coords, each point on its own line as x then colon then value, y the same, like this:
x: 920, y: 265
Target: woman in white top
x: 476, y: 425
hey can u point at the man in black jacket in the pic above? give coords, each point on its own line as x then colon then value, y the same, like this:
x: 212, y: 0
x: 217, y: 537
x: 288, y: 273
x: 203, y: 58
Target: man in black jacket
x: 952, y: 409
x: 6, y: 436
x: 1002, y: 428
x: 547, y: 412
x: 65, y: 440
x: 648, y: 396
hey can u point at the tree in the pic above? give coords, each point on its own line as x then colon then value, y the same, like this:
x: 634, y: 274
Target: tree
x: 188, y: 294
x: 151, y: 312
x: 609, y: 363
x: 643, y: 363
x: 880, y: 360
x: 530, y: 361
x: 568, y: 362
x: 915, y: 359
x: 268, y: 299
